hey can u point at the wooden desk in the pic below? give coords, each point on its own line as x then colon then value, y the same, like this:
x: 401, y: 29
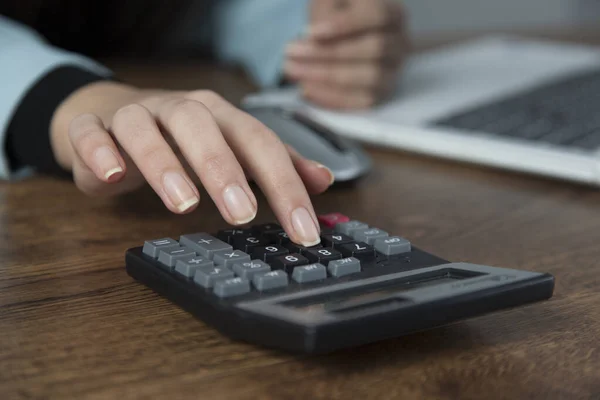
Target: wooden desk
x: 74, y: 325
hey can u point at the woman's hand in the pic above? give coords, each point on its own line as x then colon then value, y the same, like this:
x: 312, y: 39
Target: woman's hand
x: 114, y: 138
x: 352, y: 54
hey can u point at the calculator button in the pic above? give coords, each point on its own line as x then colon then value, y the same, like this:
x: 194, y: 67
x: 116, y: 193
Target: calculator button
x: 248, y: 269
x: 270, y: 280
x: 359, y: 250
x: 343, y: 267
x: 332, y: 219
x: 347, y: 228
x: 264, y: 229
x: 204, y: 244
x: 153, y: 247
x: 278, y: 237
x: 323, y: 255
x: 207, y: 276
x: 169, y: 257
x: 188, y: 266
x: 226, y: 258
x: 248, y: 243
x: 229, y: 235
x: 297, y: 248
x: 369, y: 236
x: 392, y: 245
x: 289, y: 262
x: 232, y: 287
x: 267, y: 253
x: 309, y: 273
x: 335, y: 239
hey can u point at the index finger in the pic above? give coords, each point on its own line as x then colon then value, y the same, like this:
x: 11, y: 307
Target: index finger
x: 268, y: 162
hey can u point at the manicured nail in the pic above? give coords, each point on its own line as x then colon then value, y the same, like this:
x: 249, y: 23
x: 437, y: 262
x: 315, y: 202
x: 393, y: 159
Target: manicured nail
x: 239, y: 205
x: 107, y: 162
x: 305, y: 227
x: 179, y: 190
x: 331, y: 176
x: 298, y: 49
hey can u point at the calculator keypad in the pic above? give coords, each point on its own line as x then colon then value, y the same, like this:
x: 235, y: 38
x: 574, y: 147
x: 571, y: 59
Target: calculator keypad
x: 153, y: 247
x: 234, y: 262
x: 248, y: 243
x: 227, y: 258
x: 208, y: 276
x: 168, y: 257
x: 248, y: 269
x: 270, y: 252
x: 309, y: 273
x: 188, y: 266
x: 232, y: 287
x: 343, y: 267
x: 270, y: 280
x: 359, y: 250
x: 335, y: 239
x: 204, y: 244
x: 289, y: 262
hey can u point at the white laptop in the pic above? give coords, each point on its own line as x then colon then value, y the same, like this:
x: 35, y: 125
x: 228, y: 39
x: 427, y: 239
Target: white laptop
x: 507, y: 102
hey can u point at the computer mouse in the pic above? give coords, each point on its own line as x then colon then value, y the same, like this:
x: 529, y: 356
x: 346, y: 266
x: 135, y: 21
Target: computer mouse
x: 343, y: 157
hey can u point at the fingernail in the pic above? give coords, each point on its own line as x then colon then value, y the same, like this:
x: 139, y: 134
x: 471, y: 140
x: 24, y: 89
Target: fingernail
x: 298, y: 49
x: 179, y: 190
x: 239, y: 205
x: 331, y: 176
x: 305, y: 227
x: 107, y: 161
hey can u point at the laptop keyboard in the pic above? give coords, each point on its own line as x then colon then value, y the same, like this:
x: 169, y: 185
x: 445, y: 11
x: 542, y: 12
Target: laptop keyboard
x: 564, y: 113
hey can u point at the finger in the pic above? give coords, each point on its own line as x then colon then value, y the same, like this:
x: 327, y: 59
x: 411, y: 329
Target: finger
x: 381, y: 47
x: 96, y: 148
x: 136, y: 130
x: 338, y: 98
x: 98, y: 167
x: 316, y: 177
x: 202, y: 144
x: 359, y: 17
x: 266, y: 159
x: 348, y: 75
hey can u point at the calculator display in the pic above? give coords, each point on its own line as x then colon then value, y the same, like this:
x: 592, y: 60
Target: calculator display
x: 343, y: 300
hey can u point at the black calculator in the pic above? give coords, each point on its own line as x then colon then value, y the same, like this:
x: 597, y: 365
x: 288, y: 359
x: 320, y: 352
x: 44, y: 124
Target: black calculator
x: 359, y: 285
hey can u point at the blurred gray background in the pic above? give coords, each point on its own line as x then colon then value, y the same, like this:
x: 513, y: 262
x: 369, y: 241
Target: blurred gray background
x: 435, y: 17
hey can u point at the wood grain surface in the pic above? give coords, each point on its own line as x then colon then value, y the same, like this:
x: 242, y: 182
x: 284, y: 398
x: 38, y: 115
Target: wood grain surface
x: 74, y: 325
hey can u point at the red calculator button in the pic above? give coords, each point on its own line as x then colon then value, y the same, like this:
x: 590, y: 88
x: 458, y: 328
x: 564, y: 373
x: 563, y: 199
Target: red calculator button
x: 330, y: 220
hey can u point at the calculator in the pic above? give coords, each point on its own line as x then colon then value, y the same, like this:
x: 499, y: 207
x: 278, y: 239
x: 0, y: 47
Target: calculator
x: 360, y: 285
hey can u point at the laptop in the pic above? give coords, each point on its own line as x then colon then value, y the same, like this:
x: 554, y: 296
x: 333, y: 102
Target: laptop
x: 515, y: 103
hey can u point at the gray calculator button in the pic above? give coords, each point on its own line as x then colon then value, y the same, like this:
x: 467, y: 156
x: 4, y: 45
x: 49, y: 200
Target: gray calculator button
x: 270, y: 280
x: 392, y: 245
x: 348, y: 227
x: 153, y: 247
x: 369, y: 236
x: 232, y: 287
x: 207, y: 276
x: 309, y: 273
x: 343, y: 267
x: 249, y: 269
x: 188, y: 266
x: 169, y: 257
x: 227, y: 258
x: 204, y: 244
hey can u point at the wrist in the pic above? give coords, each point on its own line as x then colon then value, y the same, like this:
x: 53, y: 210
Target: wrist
x: 102, y: 98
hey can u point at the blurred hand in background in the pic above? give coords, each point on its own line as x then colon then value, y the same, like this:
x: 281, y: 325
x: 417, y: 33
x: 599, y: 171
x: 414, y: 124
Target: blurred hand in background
x: 351, y: 54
